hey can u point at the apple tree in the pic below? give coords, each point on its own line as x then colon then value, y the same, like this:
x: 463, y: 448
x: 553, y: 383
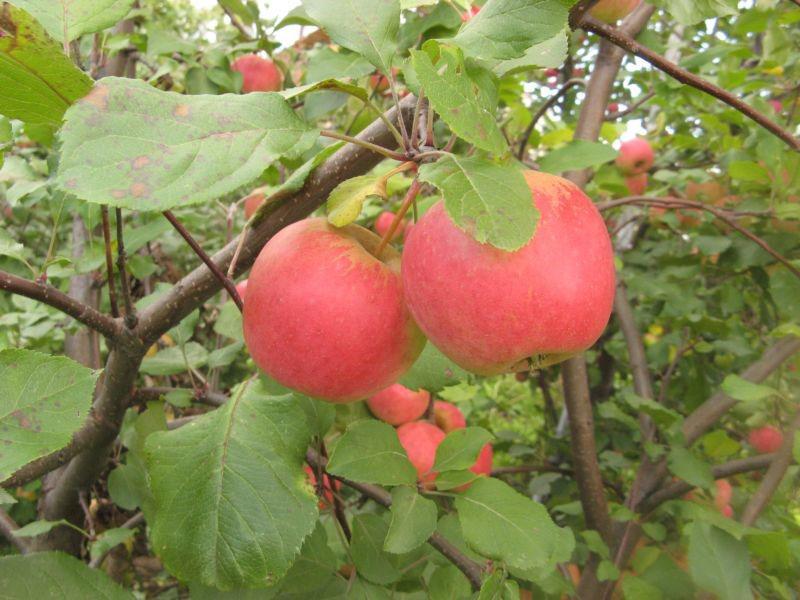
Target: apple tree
x: 400, y: 299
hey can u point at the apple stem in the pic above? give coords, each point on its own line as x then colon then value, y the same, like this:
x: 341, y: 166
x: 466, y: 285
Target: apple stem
x: 411, y: 195
x: 364, y: 144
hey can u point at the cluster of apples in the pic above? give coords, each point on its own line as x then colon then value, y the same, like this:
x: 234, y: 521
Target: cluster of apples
x: 326, y: 315
x: 634, y: 160
x: 405, y: 408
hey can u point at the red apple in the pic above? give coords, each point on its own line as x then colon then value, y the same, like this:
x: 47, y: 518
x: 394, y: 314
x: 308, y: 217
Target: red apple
x: 397, y: 404
x: 724, y: 493
x: 328, y: 486
x: 420, y: 440
x: 258, y: 74
x: 327, y: 318
x: 613, y: 107
x: 253, y: 200
x: 765, y: 439
x: 448, y: 416
x: 635, y: 156
x: 407, y: 230
x: 493, y: 311
x: 241, y: 288
x: 473, y: 10
x: 637, y: 184
x: 384, y: 222
x: 380, y: 82
x: 611, y: 11
x: 727, y: 511
x: 776, y: 105
x: 483, y: 465
x: 551, y: 72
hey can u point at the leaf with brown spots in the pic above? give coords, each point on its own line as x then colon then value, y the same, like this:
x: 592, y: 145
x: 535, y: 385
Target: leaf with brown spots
x: 131, y: 145
x: 38, y: 82
x: 43, y: 401
x: 73, y: 18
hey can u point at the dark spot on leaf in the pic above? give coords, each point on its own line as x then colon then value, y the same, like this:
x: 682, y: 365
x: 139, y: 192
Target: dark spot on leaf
x: 98, y: 97
x: 182, y: 110
x: 139, y: 189
x: 141, y: 161
x: 21, y: 418
x: 71, y: 183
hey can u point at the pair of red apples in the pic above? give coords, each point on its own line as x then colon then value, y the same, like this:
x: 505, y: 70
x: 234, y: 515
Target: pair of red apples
x: 328, y: 317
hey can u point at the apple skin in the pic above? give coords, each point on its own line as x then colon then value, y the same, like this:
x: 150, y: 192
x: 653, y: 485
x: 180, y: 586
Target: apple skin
x: 611, y: 11
x: 727, y: 511
x: 613, y: 107
x: 325, y: 317
x: 776, y: 105
x: 473, y: 10
x: 384, y: 222
x: 398, y: 405
x: 420, y: 440
x: 483, y: 465
x: 635, y: 156
x: 448, y: 416
x: 241, y: 288
x: 551, y: 72
x: 489, y: 310
x: 724, y: 493
x: 765, y: 439
x: 252, y: 202
x: 258, y: 74
x: 637, y: 184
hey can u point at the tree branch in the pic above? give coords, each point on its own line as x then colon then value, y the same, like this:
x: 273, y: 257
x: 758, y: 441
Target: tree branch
x: 7, y: 528
x: 51, y: 296
x: 626, y: 42
x: 110, y: 280
x: 209, y: 397
x: 466, y: 565
x: 541, y: 111
x: 774, y: 475
x: 578, y: 11
x: 130, y: 311
x: 622, y: 113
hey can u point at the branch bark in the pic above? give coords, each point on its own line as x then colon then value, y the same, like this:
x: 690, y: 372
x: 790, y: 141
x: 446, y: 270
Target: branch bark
x: 625, y: 41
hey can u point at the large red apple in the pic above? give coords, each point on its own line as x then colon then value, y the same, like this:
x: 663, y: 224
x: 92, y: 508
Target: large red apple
x: 327, y: 318
x: 258, y: 74
x: 493, y: 311
x: 448, y: 416
x: 765, y: 439
x: 384, y: 222
x: 397, y: 404
x: 635, y: 156
x: 611, y: 11
x: 420, y: 440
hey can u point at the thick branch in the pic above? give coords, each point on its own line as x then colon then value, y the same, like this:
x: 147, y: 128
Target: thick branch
x: 199, y: 285
x: 774, y: 475
x: 51, y: 296
x: 626, y: 42
x: 466, y: 565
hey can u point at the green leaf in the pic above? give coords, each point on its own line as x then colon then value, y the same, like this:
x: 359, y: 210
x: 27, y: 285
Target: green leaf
x: 413, y: 521
x: 314, y: 569
x: 529, y: 540
x: 326, y: 84
x: 39, y: 83
x: 449, y: 480
x: 182, y: 398
x: 368, y: 27
x: 127, y: 485
x: 346, y: 200
x: 43, y: 401
x: 448, y: 583
x: 233, y: 479
x: 108, y: 539
x: 745, y: 170
x: 661, y: 415
x: 229, y: 322
x: 432, y: 371
x: 492, y: 586
x: 370, y: 452
x: 741, y: 389
x: 682, y: 463
x: 131, y: 145
x: 460, y: 449
x: 38, y: 528
x: 689, y: 12
x: 491, y: 202
x: 6, y: 499
x: 718, y: 562
x: 55, y: 575
x: 176, y: 359
x: 549, y: 53
x: 636, y: 588
x: 577, y: 154
x: 505, y: 29
x: 320, y: 415
x: 366, y: 548
x: 773, y: 548
x: 224, y: 356
x: 459, y: 100
x: 607, y: 571
x: 326, y: 63
x: 73, y: 18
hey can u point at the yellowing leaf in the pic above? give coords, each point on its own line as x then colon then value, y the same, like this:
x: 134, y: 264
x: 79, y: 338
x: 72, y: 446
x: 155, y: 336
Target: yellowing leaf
x: 346, y: 200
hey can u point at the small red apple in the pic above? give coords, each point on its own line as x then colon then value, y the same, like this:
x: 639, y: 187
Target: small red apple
x: 637, y: 184
x: 258, y: 74
x: 327, y: 318
x: 448, y: 416
x: 420, y: 440
x: 253, y: 200
x: 765, y: 439
x: 397, y: 404
x: 613, y: 107
x: 380, y: 82
x: 473, y: 10
x: 551, y: 72
x: 611, y: 11
x: 328, y: 486
x: 776, y: 105
x: 724, y: 493
x: 635, y: 156
x: 384, y: 222
x: 727, y: 511
x: 492, y: 311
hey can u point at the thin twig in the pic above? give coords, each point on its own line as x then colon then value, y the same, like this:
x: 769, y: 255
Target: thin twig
x: 411, y: 195
x: 51, y: 296
x: 541, y: 111
x: 338, y: 505
x: 623, y: 113
x: 229, y: 286
x: 363, y: 143
x: 626, y: 42
x: 112, y: 288
x: 236, y: 22
x: 204, y: 396
x: 130, y: 311
x: 415, y: 120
